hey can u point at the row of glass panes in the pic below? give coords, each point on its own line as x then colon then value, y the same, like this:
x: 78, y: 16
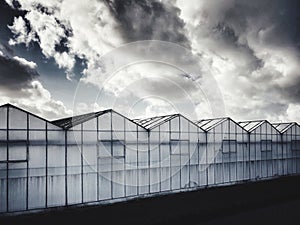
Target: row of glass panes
x: 17, y: 150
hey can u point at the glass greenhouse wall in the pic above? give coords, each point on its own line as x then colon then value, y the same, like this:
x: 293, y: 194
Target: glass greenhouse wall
x: 265, y: 149
x: 290, y: 152
x: 228, y: 153
x: 104, y: 157
x: 177, y: 151
x: 31, y: 161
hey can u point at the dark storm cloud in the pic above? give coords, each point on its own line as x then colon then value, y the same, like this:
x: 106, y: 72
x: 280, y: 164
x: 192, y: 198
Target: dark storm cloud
x: 291, y: 89
x: 275, y: 22
x: 231, y: 40
x: 146, y: 20
x: 270, y: 24
x: 281, y: 17
x: 14, y: 75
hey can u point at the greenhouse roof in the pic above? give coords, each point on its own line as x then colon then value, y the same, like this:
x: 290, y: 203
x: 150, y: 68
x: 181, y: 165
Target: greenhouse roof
x: 24, y: 111
x: 283, y: 127
x: 153, y: 122
x: 69, y: 122
x: 252, y: 125
x: 208, y: 124
x: 150, y: 123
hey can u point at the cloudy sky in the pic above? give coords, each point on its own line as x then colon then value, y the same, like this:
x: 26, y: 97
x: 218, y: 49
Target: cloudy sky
x: 54, y: 57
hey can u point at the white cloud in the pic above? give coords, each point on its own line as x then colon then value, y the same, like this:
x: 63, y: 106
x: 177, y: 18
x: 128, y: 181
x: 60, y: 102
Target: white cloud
x: 50, y: 33
x: 293, y: 112
x: 38, y: 100
x: 30, y: 64
x: 82, y: 108
x: 93, y: 29
x: 20, y: 86
x: 21, y: 33
x: 146, y: 89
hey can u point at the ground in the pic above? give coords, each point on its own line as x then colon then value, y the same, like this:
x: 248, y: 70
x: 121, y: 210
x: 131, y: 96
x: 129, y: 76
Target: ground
x: 274, y: 201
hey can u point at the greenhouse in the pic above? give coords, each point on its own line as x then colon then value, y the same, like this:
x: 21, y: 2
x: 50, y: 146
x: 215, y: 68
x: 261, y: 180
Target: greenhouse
x: 177, y: 152
x: 290, y: 159
x: 32, y: 162
x: 227, y: 147
x: 103, y: 157
x: 265, y: 149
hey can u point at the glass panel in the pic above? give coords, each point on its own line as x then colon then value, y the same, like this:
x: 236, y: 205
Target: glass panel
x: 17, y: 186
x: 76, y: 128
x: 118, y: 122
x: 3, y: 170
x: 56, y: 173
x: 184, y: 148
x: 51, y: 126
x: 17, y: 119
x: 37, y: 179
x: 3, y: 117
x: 37, y: 160
x: 56, y: 160
x: 143, y: 155
x: 233, y: 146
x: 131, y: 132
x: 36, y: 123
x: 105, y: 135
x: 17, y: 135
x: 118, y: 149
x: 105, y: 177
x: 104, y: 122
x: 3, y: 151
x: 36, y: 192
x: 90, y: 125
x: 295, y: 145
x: 3, y: 136
x: 175, y: 147
x: 37, y: 137
x: 56, y: 190
x: 17, y: 151
x: 3, y: 188
x: 184, y: 128
x: 74, y: 137
x: 225, y: 146
x: 56, y: 137
x: 104, y: 149
x: 90, y: 158
x: 174, y: 123
x: 90, y: 137
x: 266, y: 145
x: 232, y: 130
x: 74, y: 173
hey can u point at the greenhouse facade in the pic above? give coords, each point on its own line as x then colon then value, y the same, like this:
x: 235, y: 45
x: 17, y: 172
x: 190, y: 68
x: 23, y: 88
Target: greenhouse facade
x: 104, y: 156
